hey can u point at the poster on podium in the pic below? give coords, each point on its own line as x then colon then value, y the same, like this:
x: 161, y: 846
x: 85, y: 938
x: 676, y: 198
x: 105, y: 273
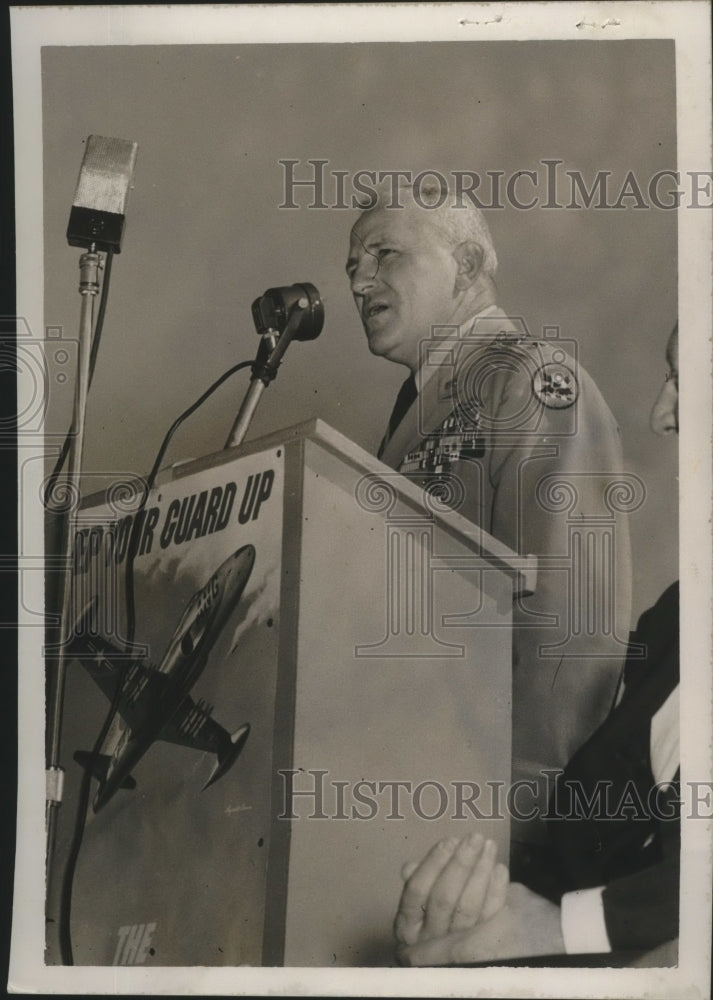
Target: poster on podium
x: 173, y: 861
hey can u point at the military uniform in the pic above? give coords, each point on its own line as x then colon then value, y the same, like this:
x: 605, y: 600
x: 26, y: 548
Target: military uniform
x: 538, y: 454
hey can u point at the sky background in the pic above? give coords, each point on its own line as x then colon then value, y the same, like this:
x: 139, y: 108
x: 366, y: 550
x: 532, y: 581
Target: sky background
x: 205, y: 234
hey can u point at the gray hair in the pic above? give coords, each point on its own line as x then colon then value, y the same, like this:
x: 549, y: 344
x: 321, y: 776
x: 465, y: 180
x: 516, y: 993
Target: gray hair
x: 453, y: 214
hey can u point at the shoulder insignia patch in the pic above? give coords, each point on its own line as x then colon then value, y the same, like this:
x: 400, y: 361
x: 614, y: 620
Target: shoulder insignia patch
x: 555, y: 385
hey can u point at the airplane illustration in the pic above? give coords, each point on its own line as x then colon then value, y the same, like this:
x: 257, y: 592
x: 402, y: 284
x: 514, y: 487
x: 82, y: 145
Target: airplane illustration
x: 154, y: 701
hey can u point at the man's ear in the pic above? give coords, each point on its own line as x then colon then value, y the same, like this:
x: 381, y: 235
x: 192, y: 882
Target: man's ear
x: 469, y: 258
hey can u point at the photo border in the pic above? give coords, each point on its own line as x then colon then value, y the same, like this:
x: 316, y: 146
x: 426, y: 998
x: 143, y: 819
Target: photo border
x: 688, y: 24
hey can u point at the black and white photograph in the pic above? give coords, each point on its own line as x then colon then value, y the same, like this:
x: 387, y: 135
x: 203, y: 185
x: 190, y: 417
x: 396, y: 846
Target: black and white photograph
x: 364, y: 472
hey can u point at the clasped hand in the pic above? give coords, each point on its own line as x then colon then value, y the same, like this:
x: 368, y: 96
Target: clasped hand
x: 458, y: 906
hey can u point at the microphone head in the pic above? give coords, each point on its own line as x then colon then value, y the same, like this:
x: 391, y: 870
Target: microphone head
x: 272, y: 309
x: 98, y: 209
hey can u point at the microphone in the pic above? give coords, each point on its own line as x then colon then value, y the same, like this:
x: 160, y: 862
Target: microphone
x: 98, y: 209
x: 272, y: 310
x: 281, y: 315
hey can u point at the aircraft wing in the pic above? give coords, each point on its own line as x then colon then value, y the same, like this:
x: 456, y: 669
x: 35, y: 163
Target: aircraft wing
x: 108, y: 666
x: 192, y: 725
x: 104, y: 662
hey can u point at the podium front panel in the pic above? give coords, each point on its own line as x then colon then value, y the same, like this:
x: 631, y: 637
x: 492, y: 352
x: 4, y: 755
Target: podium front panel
x: 399, y: 720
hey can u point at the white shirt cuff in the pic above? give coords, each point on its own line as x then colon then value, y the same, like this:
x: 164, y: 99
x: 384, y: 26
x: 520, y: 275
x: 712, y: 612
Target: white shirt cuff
x: 583, y: 928
x: 665, y: 752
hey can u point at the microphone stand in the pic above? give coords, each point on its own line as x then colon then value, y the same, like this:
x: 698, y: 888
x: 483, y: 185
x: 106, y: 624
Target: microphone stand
x: 270, y: 352
x: 89, y: 266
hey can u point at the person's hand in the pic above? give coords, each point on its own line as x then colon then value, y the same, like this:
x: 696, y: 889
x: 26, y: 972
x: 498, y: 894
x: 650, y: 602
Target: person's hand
x: 457, y: 907
x: 526, y: 925
x: 455, y: 885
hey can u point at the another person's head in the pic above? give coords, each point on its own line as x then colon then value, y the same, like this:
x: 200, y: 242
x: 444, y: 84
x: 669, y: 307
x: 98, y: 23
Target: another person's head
x: 664, y: 415
x: 414, y: 267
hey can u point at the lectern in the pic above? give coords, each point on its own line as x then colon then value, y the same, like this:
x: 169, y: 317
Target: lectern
x: 366, y: 655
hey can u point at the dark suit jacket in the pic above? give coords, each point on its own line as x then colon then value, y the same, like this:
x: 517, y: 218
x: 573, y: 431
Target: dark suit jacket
x: 635, y: 853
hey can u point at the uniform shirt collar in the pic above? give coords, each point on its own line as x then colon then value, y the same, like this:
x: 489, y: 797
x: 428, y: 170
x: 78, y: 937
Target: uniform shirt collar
x: 426, y: 372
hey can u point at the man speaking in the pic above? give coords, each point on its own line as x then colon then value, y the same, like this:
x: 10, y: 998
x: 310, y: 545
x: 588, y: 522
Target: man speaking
x: 535, y: 448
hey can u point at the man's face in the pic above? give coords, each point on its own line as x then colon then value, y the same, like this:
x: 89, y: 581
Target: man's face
x: 402, y: 277
x: 664, y: 416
